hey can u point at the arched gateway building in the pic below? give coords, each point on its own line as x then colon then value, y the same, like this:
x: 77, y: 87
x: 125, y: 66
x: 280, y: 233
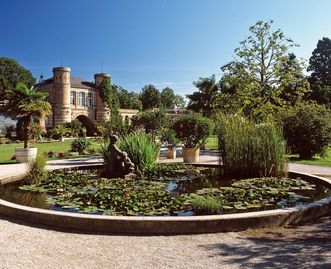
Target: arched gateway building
x: 73, y: 98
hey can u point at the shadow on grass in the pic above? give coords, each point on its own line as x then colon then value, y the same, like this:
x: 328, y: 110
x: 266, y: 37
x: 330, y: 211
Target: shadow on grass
x: 296, y: 248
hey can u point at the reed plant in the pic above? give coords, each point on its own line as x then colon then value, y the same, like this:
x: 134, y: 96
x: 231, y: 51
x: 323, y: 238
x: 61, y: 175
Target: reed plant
x: 251, y: 150
x: 141, y: 149
x: 37, y: 171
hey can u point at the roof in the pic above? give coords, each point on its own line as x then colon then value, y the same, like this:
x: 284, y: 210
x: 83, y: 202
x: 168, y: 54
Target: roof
x: 75, y: 82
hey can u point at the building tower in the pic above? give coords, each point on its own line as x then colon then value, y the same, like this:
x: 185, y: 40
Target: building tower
x: 102, y: 110
x: 61, y: 84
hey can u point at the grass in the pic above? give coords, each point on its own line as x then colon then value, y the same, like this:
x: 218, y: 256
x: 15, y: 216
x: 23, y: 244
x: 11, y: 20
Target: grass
x: 212, y: 142
x: 8, y: 150
x: 320, y: 161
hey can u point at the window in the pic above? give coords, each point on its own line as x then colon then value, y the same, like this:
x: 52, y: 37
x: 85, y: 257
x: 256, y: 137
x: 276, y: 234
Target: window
x: 89, y: 99
x: 72, y: 98
x: 81, y: 99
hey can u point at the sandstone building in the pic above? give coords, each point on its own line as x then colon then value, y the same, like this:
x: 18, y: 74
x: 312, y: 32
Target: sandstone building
x: 73, y: 98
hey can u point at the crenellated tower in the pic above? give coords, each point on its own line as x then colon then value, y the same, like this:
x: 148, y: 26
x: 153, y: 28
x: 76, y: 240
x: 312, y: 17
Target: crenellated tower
x: 61, y: 84
x: 102, y: 110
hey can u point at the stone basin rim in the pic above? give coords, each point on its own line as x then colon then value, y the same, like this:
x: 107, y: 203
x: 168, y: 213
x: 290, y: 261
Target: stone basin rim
x: 168, y: 225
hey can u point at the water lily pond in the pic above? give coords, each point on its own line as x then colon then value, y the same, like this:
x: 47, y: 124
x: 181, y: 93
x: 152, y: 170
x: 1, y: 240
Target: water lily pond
x: 169, y: 189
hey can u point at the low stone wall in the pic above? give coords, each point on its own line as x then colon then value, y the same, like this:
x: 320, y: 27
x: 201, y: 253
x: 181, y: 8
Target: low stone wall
x: 169, y: 225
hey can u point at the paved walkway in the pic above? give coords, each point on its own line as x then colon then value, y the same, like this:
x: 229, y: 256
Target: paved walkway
x: 23, y: 245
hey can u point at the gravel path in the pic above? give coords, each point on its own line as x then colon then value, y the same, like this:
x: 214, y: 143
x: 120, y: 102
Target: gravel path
x: 308, y: 246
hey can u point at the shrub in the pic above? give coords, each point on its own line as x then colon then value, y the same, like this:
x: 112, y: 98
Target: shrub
x: 142, y: 152
x: 251, y: 150
x: 80, y: 144
x: 307, y: 130
x: 205, y: 205
x: 168, y: 136
x: 192, y: 130
x: 37, y: 170
x: 151, y: 122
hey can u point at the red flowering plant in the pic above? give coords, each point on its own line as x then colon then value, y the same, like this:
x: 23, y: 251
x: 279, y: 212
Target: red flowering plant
x: 192, y: 130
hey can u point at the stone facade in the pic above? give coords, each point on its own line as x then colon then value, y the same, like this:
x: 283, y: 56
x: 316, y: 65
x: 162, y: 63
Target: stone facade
x: 73, y: 98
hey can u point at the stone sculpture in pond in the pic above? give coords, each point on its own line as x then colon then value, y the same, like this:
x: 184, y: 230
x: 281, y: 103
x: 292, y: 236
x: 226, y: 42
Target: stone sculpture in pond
x: 118, y: 164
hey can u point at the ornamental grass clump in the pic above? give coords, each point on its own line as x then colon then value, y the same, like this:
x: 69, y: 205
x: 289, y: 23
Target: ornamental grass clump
x: 251, y: 150
x: 140, y: 149
x: 192, y: 130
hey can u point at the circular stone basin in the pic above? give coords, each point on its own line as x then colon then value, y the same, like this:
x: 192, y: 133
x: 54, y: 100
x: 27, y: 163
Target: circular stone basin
x: 167, y: 225
x: 188, y: 192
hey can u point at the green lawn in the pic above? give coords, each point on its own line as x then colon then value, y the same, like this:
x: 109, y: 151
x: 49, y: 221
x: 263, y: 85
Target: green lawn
x: 212, y: 142
x: 8, y: 150
x: 321, y: 161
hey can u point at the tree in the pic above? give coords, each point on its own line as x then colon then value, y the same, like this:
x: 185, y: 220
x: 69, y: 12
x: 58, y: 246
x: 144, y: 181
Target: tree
x: 179, y: 101
x: 152, y: 122
x: 257, y: 77
x: 167, y: 98
x: 74, y: 127
x: 150, y: 97
x: 11, y: 73
x: 128, y: 100
x: 27, y: 104
x: 320, y: 78
x: 204, y: 100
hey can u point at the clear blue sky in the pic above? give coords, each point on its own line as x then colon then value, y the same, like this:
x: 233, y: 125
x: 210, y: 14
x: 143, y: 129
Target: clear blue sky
x: 163, y: 42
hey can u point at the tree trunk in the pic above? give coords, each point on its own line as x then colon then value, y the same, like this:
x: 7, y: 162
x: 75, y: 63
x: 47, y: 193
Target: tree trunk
x: 27, y: 129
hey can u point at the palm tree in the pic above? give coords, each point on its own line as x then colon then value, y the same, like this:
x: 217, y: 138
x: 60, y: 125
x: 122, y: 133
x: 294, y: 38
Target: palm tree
x: 29, y: 105
x: 205, y: 99
x: 60, y: 131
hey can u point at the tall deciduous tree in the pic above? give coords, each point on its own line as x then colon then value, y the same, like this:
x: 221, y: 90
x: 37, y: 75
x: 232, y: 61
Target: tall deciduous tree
x: 257, y: 76
x: 150, y: 97
x: 128, y: 100
x: 168, y: 98
x: 204, y: 100
x: 320, y: 66
x: 11, y: 73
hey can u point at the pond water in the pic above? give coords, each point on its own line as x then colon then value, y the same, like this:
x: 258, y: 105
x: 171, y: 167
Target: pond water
x: 200, y: 181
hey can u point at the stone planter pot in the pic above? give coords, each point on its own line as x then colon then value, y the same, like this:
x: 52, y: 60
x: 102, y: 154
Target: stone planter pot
x: 171, y: 153
x: 191, y: 155
x: 25, y: 155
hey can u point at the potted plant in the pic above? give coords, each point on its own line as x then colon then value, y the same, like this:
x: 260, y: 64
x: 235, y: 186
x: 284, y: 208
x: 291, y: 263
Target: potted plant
x: 30, y: 106
x: 60, y: 131
x: 168, y: 137
x: 192, y: 130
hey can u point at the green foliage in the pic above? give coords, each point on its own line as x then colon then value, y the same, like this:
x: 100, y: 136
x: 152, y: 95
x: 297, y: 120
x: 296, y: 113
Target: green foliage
x: 192, y: 130
x: 115, y: 126
x: 252, y: 194
x: 75, y: 127
x: 150, y: 97
x: 250, y: 150
x: 152, y: 122
x: 168, y: 136
x: 80, y: 144
x: 109, y: 95
x: 27, y: 104
x: 37, y: 171
x: 320, y: 66
x: 60, y: 131
x: 205, y: 100
x: 254, y: 85
x: 140, y: 149
x: 205, y: 205
x: 167, y: 98
x: 168, y: 170
x: 307, y: 130
x: 11, y: 73
x: 128, y: 100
